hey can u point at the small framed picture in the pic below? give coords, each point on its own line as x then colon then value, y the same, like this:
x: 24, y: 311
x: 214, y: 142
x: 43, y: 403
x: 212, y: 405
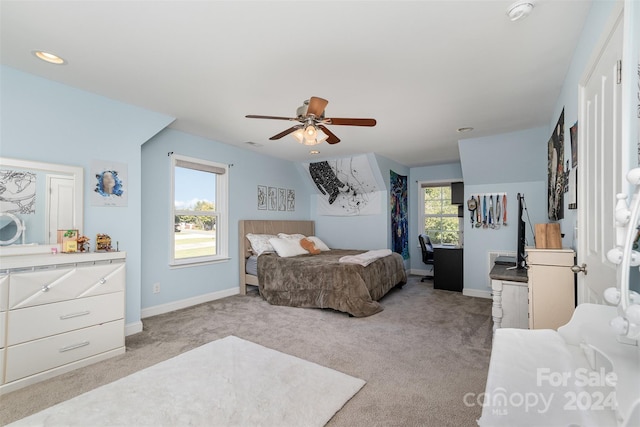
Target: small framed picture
x: 282, y: 199
x: 110, y: 185
x: 262, y: 197
x: 291, y: 200
x: 272, y: 199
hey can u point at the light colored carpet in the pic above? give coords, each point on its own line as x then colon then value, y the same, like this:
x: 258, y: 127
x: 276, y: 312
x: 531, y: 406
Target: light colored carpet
x: 211, y: 386
x: 420, y: 356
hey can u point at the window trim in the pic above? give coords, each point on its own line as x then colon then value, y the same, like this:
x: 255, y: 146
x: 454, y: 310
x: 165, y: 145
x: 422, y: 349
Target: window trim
x: 421, y: 215
x: 221, y: 213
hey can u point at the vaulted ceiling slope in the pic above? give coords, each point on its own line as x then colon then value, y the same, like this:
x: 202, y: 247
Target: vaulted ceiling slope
x: 421, y: 68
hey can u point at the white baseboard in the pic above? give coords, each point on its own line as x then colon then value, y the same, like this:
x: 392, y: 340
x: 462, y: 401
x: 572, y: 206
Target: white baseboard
x: 132, y: 328
x: 476, y: 293
x: 177, y: 305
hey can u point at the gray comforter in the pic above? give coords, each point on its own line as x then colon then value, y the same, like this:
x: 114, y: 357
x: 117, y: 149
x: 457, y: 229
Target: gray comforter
x: 321, y: 281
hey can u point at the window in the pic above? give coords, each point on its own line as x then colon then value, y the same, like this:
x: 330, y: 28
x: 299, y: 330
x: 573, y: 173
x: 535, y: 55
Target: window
x: 439, y: 217
x: 199, y: 231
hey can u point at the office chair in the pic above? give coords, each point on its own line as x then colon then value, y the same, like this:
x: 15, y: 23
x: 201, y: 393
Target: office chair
x: 427, y: 253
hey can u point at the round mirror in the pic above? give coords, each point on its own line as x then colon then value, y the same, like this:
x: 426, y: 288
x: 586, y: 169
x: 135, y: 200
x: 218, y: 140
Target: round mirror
x: 10, y: 228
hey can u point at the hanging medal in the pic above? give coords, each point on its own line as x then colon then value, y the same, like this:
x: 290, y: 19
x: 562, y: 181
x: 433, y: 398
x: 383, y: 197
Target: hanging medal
x: 498, y: 212
x: 472, y: 205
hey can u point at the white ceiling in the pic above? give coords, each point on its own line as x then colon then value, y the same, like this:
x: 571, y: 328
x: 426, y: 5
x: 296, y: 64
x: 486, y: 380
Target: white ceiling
x: 421, y: 68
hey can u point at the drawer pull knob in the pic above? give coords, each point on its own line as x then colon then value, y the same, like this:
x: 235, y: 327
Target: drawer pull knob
x: 72, y: 315
x: 74, y: 346
x: 103, y: 281
x: 45, y: 288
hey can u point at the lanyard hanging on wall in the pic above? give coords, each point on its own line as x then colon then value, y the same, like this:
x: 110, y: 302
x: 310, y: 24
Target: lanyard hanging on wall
x: 484, y: 212
x: 498, y: 212
x: 504, y: 206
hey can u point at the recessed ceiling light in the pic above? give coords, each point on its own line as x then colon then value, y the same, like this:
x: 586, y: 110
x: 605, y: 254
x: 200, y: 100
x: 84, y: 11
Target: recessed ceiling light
x: 49, y: 57
x: 464, y: 129
x: 314, y: 152
x: 519, y: 10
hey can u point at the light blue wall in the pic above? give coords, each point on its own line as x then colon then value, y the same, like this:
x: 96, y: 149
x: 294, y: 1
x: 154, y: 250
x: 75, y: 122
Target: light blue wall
x: 479, y: 242
x: 509, y: 163
x: 355, y: 232
x: 449, y: 172
x: 509, y: 157
x: 50, y: 122
x: 248, y: 171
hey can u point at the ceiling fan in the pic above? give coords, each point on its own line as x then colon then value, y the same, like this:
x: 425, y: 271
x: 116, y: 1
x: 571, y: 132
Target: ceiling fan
x: 311, y: 116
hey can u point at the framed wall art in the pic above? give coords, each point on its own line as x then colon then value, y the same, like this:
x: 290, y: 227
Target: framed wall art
x: 262, y: 197
x: 282, y: 199
x: 291, y: 200
x: 272, y: 198
x: 110, y: 182
x: 555, y: 188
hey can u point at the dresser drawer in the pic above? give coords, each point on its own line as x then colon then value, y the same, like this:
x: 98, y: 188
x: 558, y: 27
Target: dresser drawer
x: 25, y: 324
x: 4, y: 292
x: 47, y: 353
x: 32, y: 288
x: 3, y: 326
x: 2, y: 352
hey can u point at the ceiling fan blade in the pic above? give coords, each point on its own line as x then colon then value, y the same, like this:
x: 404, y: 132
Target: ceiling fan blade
x: 350, y: 122
x: 332, y: 138
x: 253, y: 116
x: 316, y: 106
x: 286, y: 132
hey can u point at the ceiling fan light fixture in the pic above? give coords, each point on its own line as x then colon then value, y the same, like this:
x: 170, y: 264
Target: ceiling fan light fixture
x: 309, y: 136
x: 519, y: 10
x: 310, y: 132
x: 299, y: 135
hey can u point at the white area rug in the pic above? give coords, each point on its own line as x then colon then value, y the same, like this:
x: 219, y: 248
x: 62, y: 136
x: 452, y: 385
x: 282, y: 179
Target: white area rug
x: 228, y: 382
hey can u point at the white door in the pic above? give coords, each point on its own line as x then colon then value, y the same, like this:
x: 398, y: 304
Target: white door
x: 599, y: 168
x: 60, y: 205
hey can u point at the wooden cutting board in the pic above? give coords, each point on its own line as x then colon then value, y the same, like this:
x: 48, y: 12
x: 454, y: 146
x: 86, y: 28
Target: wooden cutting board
x: 548, y: 236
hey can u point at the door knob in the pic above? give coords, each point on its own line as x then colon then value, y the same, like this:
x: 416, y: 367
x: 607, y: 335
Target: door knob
x: 580, y: 268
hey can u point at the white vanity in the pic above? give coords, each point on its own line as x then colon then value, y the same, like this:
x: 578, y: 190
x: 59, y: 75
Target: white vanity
x: 59, y: 312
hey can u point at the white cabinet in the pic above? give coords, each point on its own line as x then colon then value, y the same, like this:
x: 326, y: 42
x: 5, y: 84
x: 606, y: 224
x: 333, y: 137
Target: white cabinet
x: 510, y: 308
x: 4, y: 297
x: 551, y: 287
x: 58, y: 313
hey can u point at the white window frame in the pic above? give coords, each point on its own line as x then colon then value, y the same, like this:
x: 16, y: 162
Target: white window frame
x: 421, y: 215
x: 221, y: 214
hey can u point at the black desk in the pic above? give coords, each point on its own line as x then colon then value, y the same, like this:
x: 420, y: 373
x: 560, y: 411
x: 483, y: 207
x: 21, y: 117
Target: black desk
x: 448, y: 268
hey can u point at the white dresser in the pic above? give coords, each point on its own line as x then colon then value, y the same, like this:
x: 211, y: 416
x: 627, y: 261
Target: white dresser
x: 58, y: 313
x: 540, y: 297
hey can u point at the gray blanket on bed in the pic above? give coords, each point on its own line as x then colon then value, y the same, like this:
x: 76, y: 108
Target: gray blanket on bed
x: 321, y: 281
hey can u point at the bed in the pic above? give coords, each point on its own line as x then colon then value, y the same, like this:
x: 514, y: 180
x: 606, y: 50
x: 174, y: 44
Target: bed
x: 318, y: 281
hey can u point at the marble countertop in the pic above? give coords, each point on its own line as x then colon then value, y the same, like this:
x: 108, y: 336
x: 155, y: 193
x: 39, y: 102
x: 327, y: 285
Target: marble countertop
x: 505, y: 272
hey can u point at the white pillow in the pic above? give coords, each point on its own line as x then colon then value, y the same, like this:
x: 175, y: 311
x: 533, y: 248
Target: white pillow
x: 260, y: 243
x: 319, y: 243
x: 296, y: 237
x: 287, y: 247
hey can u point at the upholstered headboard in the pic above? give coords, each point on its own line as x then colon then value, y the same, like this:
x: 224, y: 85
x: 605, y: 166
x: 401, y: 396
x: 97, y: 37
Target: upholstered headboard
x: 260, y: 226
